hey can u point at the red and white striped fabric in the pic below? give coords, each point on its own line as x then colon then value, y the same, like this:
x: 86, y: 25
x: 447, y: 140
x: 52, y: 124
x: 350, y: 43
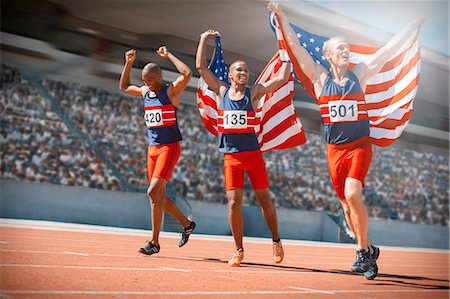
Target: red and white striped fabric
x: 389, y: 95
x: 276, y: 123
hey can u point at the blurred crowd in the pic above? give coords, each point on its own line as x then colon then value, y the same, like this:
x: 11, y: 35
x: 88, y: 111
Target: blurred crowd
x: 38, y: 146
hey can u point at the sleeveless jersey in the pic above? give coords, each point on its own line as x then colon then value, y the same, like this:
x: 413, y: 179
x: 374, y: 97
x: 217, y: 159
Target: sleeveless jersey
x: 235, y: 122
x: 160, y: 117
x: 343, y: 110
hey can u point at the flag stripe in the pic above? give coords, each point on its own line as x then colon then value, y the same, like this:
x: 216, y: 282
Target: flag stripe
x: 389, y: 75
x: 406, y: 95
x: 375, y: 88
x: 290, y: 121
x: 289, y: 138
x: 392, y: 123
x: 271, y: 123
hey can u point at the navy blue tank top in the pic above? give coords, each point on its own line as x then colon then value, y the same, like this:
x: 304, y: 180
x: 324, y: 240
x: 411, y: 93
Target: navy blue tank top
x: 235, y: 122
x: 343, y: 110
x: 160, y: 117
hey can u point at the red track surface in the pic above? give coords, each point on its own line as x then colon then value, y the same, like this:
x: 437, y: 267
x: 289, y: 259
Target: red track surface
x: 48, y: 260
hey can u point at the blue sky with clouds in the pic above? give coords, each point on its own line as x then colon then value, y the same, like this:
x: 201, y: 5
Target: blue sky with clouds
x: 392, y: 16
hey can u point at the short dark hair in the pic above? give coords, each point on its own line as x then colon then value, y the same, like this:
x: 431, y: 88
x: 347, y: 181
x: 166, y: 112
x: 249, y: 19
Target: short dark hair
x: 151, y: 68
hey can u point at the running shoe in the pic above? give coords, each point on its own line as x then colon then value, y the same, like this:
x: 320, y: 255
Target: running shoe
x: 237, y: 258
x: 150, y: 248
x: 373, y: 267
x: 278, y: 252
x: 186, y: 233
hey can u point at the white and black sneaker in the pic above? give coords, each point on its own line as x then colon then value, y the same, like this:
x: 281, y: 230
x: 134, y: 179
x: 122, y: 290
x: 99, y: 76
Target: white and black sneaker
x: 150, y: 248
x: 186, y: 233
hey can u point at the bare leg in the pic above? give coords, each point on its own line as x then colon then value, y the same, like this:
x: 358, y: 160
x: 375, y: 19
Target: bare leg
x: 358, y: 211
x: 268, y: 211
x: 347, y: 214
x: 235, y: 215
x: 171, y: 208
x: 155, y: 193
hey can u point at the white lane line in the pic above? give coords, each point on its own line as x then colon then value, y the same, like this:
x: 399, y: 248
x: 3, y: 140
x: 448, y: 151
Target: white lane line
x: 75, y: 253
x: 312, y: 290
x: 234, y: 279
x: 162, y: 269
x: 275, y: 292
x: 96, y: 267
x: 175, y: 269
x: 241, y: 270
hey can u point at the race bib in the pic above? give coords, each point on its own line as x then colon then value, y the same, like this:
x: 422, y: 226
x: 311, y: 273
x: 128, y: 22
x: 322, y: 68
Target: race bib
x: 345, y: 110
x: 153, y: 118
x: 235, y: 119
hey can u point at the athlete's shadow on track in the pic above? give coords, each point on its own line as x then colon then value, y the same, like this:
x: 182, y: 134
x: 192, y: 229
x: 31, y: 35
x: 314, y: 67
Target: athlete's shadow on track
x: 382, y: 278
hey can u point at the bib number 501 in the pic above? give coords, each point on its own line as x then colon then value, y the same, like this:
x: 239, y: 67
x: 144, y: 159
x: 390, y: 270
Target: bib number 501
x: 343, y: 111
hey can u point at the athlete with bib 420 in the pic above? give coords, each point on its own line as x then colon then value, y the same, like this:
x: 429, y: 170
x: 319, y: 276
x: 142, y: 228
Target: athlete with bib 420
x: 341, y: 99
x: 237, y: 140
x: 160, y: 116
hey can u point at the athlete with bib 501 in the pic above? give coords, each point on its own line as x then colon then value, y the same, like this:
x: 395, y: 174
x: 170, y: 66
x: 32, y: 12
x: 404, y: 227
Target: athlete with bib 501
x: 160, y: 115
x: 340, y: 94
x: 237, y: 140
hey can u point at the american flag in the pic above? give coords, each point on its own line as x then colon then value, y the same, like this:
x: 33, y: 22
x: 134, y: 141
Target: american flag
x: 389, y: 94
x: 277, y: 125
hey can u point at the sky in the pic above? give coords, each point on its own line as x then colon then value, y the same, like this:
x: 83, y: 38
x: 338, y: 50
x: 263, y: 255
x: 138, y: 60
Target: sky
x: 392, y: 16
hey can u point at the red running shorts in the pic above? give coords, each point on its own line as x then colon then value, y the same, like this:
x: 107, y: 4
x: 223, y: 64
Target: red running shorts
x: 161, y: 160
x: 351, y: 160
x: 236, y: 163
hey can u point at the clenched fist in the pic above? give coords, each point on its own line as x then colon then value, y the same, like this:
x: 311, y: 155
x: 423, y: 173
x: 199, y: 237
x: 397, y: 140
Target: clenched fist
x: 130, y: 55
x: 163, y: 52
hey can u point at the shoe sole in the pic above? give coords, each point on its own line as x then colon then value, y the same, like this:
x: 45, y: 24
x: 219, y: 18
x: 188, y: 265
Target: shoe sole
x: 181, y: 245
x: 146, y: 253
x: 372, y: 272
x: 278, y: 262
x: 360, y: 270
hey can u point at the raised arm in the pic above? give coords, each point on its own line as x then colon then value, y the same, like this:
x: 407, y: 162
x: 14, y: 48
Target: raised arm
x: 366, y: 69
x: 311, y: 69
x: 200, y: 63
x: 267, y: 87
x: 124, y: 83
x: 181, y: 82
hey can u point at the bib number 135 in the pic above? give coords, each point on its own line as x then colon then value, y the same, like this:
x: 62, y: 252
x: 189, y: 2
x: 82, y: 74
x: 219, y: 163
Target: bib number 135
x: 343, y: 111
x: 235, y: 119
x: 153, y: 118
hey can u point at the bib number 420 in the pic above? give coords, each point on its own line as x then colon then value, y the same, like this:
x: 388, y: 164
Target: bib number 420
x: 153, y: 118
x: 343, y: 110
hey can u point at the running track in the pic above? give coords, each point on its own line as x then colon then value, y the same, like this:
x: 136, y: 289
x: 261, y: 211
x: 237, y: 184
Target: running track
x: 41, y: 259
